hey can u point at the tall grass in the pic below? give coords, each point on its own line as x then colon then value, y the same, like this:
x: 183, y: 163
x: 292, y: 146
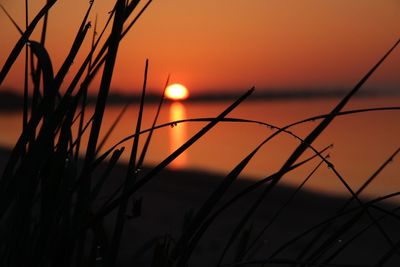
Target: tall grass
x: 50, y: 191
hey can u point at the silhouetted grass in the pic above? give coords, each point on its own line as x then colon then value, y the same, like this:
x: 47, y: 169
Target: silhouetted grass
x: 52, y: 212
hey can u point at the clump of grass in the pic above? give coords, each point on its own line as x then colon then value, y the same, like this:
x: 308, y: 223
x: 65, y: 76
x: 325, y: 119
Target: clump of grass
x: 48, y: 194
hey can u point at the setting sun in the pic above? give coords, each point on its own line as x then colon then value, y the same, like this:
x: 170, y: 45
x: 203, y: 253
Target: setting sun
x: 176, y: 91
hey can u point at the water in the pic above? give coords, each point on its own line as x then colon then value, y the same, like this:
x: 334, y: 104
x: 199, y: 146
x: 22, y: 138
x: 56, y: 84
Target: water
x: 362, y: 142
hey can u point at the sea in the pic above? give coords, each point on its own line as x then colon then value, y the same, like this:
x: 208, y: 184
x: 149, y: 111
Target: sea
x: 358, y: 144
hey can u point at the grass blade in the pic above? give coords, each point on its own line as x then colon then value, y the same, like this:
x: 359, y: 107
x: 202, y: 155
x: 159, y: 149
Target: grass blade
x: 201, y: 229
x: 147, y: 143
x: 112, y: 128
x: 281, y: 209
x: 11, y: 19
x: 84, y: 191
x: 84, y: 27
x: 23, y: 39
x: 271, y: 126
x: 357, y: 193
x: 309, y: 140
x: 352, y: 239
x: 131, y: 176
x: 171, y: 157
x: 111, y: 164
x: 100, y: 58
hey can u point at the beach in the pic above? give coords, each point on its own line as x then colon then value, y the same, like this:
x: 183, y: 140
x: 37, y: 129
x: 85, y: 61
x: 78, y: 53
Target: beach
x: 172, y: 195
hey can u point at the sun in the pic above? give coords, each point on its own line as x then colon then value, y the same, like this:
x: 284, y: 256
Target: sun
x: 176, y: 91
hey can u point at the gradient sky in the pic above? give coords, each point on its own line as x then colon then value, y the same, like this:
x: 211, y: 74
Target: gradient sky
x: 233, y: 45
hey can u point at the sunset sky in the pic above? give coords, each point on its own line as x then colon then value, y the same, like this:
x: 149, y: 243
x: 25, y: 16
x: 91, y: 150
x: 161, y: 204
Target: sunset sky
x: 233, y: 45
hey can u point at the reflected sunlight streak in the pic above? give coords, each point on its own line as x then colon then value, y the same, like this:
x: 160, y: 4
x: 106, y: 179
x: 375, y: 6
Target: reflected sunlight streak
x: 177, y: 134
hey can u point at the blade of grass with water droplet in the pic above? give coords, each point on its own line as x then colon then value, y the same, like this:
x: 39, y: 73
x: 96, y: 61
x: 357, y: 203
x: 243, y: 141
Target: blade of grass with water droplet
x: 147, y: 143
x: 309, y: 140
x: 318, y: 235
x: 171, y: 157
x: 280, y: 210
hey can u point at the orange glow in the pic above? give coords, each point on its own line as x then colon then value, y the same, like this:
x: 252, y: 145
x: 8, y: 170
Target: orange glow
x: 176, y: 91
x: 269, y: 44
x: 178, y: 134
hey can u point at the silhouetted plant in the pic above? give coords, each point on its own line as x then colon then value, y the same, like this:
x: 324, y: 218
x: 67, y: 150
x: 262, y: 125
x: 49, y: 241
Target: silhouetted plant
x: 49, y: 187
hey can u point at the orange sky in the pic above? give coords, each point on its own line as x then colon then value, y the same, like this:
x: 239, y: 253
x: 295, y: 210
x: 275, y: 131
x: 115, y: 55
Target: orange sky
x: 223, y: 45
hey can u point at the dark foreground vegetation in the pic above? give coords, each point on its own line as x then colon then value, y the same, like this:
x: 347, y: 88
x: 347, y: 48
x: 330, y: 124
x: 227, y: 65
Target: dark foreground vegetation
x: 68, y: 203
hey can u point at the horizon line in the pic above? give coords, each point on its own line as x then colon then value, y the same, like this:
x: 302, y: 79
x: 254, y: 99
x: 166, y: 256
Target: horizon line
x: 10, y: 99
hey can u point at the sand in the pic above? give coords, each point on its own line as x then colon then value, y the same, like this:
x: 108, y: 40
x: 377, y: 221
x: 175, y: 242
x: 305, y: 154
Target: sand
x: 172, y: 194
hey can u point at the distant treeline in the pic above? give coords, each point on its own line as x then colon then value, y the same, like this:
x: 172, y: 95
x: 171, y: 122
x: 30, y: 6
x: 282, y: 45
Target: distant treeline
x: 12, y: 101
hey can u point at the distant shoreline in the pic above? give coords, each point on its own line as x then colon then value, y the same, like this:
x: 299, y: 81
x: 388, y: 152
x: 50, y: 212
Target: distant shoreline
x: 11, y: 101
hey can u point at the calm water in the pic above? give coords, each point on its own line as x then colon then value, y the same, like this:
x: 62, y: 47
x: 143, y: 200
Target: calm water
x: 361, y: 142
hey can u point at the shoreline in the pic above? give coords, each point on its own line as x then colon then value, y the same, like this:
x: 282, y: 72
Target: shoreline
x: 170, y: 197
x: 11, y: 101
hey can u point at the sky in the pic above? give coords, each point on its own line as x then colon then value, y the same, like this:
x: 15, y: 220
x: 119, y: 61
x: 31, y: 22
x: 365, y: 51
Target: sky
x: 223, y: 46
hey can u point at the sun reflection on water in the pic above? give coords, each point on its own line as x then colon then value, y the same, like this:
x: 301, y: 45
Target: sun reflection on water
x: 177, y: 134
